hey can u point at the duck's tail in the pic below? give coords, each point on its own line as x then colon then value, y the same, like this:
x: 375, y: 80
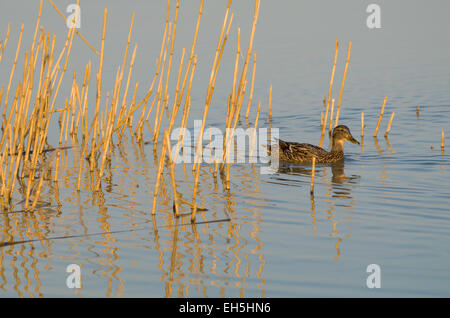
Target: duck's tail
x: 268, y: 147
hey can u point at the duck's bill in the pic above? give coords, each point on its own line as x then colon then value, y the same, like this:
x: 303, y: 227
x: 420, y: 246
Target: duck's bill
x: 353, y: 140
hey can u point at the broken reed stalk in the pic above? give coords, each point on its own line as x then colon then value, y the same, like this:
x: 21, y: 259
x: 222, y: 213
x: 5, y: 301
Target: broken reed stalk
x: 325, y: 121
x: 380, y: 117
x: 172, y: 174
x: 389, y: 125
x: 78, y: 33
x: 349, y: 49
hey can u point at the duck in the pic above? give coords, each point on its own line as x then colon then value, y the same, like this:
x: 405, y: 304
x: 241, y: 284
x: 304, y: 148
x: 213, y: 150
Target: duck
x: 304, y: 153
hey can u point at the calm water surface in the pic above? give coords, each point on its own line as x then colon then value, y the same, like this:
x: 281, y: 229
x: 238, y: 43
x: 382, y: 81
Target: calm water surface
x: 387, y: 204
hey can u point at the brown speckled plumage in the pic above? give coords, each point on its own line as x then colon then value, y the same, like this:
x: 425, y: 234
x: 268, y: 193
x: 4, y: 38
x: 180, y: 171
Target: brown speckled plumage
x: 297, y: 152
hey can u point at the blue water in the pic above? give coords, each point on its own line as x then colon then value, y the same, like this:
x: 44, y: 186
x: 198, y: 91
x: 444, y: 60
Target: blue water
x: 388, y: 204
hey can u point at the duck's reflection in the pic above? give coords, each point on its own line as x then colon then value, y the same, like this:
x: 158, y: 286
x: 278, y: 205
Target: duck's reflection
x: 341, y: 184
x: 339, y: 193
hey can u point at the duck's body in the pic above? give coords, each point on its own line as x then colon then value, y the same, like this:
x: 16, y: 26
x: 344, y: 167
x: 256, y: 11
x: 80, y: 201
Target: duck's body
x: 298, y: 152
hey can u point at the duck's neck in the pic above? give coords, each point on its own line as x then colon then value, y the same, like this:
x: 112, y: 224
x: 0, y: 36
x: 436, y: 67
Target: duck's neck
x: 337, y: 146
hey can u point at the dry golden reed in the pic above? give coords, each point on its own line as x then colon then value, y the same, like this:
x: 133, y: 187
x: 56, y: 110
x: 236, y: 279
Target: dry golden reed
x: 347, y: 60
x: 362, y: 124
x: 325, y: 121
x: 380, y: 117
x: 389, y: 125
x: 26, y: 122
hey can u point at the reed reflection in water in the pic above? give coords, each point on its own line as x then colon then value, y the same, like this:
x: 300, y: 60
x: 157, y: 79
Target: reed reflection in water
x: 107, y: 232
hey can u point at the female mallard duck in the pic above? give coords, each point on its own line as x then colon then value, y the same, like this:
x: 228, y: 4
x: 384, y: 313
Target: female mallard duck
x: 296, y: 152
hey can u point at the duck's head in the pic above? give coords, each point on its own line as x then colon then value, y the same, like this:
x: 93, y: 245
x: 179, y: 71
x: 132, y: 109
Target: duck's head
x: 340, y: 134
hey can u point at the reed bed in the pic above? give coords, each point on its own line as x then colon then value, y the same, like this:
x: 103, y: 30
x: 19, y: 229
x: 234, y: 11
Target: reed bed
x: 31, y: 102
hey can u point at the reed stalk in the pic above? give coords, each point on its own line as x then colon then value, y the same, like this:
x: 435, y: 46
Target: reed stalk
x: 176, y: 105
x: 76, y: 31
x: 232, y: 106
x: 389, y: 125
x: 128, y: 116
x: 331, y: 117
x: 3, y: 44
x: 347, y: 60
x: 124, y: 102
x: 210, y: 90
x: 161, y: 98
x: 362, y: 124
x: 109, y: 129
x: 192, y: 62
x: 169, y: 67
x: 252, y: 86
x: 313, y: 172
x: 270, y: 103
x: 325, y: 121
x: 12, y: 70
x: 159, y: 175
x: 321, y: 120
x: 249, y: 48
x: 172, y: 174
x: 380, y: 117
x: 255, y: 130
